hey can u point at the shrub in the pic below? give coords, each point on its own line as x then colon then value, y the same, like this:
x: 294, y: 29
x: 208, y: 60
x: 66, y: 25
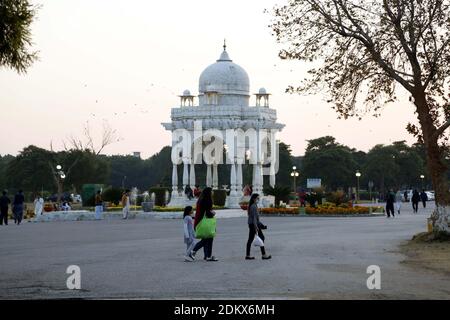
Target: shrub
x: 280, y: 193
x: 160, y: 195
x: 337, y: 197
x: 219, y: 196
x: 113, y: 195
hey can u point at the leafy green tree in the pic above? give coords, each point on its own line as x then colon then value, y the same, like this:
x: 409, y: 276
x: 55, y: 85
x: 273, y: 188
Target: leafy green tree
x: 30, y: 170
x: 283, y: 177
x: 394, y: 166
x: 332, y: 162
x: 16, y: 17
x: 4, y: 160
x: 280, y: 192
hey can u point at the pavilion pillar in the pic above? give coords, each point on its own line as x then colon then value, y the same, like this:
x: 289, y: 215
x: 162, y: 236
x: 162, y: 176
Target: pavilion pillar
x: 233, y: 180
x: 174, y: 181
x: 239, y: 179
x: 208, y: 176
x: 215, y: 177
x: 272, y: 175
x: 185, y: 174
x: 192, y: 182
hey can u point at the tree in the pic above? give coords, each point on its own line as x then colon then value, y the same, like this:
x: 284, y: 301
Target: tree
x: 29, y: 170
x: 4, y: 160
x: 281, y: 193
x: 394, y: 166
x: 283, y: 176
x: 16, y: 17
x: 34, y: 169
x: 330, y: 161
x: 367, y: 49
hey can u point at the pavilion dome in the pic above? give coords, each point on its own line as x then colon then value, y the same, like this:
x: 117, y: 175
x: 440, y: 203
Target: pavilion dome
x: 224, y: 77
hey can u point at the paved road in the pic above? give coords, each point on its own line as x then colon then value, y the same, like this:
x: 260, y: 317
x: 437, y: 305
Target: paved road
x: 312, y: 258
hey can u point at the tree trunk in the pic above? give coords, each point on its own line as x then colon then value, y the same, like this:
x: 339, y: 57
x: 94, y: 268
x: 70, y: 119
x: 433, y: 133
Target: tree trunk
x: 60, y: 191
x: 436, y: 165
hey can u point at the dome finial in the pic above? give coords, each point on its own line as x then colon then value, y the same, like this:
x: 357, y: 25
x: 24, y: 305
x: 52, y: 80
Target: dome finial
x: 224, y: 56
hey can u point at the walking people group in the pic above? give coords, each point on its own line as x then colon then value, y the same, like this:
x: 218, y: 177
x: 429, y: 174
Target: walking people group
x: 394, y: 201
x: 196, y: 226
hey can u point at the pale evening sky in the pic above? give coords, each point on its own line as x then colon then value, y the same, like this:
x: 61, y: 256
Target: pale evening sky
x: 126, y: 61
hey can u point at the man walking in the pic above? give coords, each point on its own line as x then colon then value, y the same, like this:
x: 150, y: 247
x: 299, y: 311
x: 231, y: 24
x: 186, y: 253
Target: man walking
x: 390, y: 199
x: 398, y: 201
x: 4, y: 205
x: 38, y: 205
x: 18, y: 207
x: 415, y: 201
x: 98, y: 205
x: 424, y: 198
x: 126, y: 204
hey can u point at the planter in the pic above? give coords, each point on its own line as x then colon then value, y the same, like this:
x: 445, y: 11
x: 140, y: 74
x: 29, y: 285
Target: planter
x: 244, y: 206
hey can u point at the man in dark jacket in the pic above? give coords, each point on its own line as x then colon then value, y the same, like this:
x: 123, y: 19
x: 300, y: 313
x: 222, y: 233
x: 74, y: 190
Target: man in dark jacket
x: 415, y: 200
x: 424, y: 198
x: 4, y: 205
x: 390, y: 199
x: 18, y: 206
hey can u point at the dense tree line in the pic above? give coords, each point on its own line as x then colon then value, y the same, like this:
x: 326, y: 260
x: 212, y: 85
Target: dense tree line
x: 388, y: 166
x: 397, y: 165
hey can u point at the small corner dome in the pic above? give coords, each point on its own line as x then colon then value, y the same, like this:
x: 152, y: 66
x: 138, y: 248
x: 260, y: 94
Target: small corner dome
x: 186, y: 92
x: 225, y: 77
x: 262, y: 91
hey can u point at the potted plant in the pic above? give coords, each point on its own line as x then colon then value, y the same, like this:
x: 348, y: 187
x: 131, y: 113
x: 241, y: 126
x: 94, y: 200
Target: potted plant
x: 244, y: 205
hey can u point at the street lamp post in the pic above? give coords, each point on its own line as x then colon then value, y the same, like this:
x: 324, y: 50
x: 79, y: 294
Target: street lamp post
x: 422, y: 177
x: 295, y: 174
x: 370, y: 189
x: 357, y: 174
x: 60, y: 176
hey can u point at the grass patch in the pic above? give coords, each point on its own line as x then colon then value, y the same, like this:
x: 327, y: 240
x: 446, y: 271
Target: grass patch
x: 429, y: 251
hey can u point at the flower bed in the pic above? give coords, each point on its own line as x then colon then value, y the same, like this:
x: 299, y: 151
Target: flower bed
x: 325, y: 210
x: 337, y: 210
x: 279, y: 210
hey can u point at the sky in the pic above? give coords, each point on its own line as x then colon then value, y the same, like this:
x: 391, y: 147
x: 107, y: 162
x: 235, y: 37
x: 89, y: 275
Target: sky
x: 126, y: 62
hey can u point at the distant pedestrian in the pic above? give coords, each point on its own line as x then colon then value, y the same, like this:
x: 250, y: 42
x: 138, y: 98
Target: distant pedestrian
x: 247, y: 191
x: 38, y: 205
x: 424, y: 198
x: 18, y: 207
x: 66, y: 206
x: 189, y: 234
x: 98, y: 205
x: 415, y: 200
x: 405, y: 195
x: 126, y: 204
x: 197, y: 191
x: 398, y: 201
x: 390, y: 199
x: 4, y: 206
x: 302, y: 198
x: 254, y: 227
x: 188, y: 192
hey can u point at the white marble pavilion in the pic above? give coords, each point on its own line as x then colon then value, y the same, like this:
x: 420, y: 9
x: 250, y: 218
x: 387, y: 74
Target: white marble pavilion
x: 224, y: 105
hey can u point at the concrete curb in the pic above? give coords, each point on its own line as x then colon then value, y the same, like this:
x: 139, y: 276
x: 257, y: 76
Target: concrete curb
x: 322, y: 215
x: 84, y: 215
